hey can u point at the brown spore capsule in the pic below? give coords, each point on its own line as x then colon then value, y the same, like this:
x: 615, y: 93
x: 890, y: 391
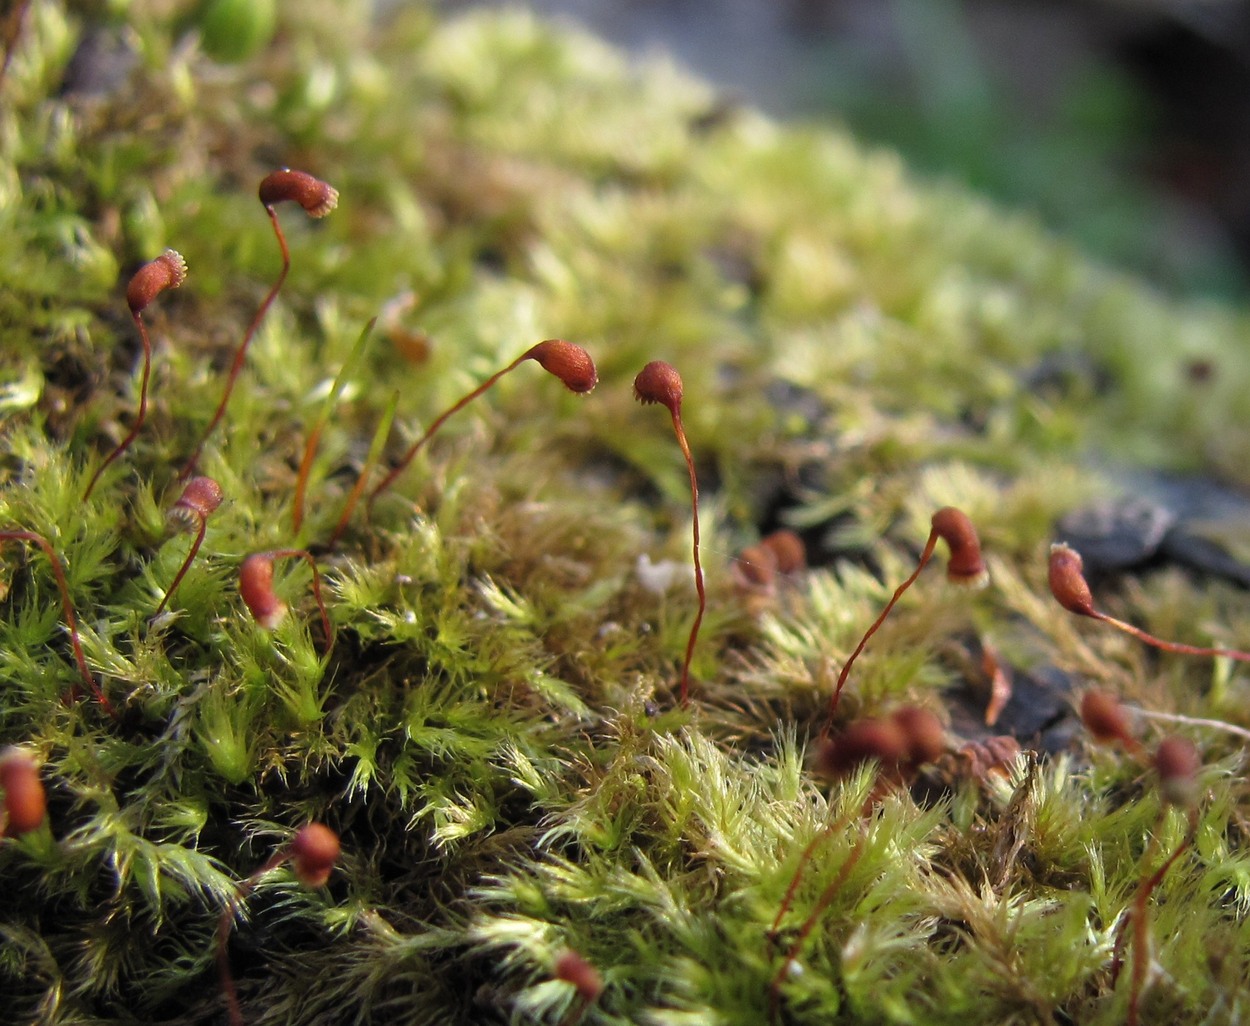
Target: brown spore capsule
x: 1067, y: 580
x: 167, y: 271
x: 787, y: 549
x: 659, y: 382
x: 256, y: 589
x: 314, y: 850
x: 755, y: 569
x: 567, y: 361
x: 924, y: 737
x: 572, y: 967
x: 1107, y: 720
x: 1177, y: 763
x: 862, y: 741
x: 25, y: 804
x: 965, y: 566
x: 317, y: 198
x: 199, y: 500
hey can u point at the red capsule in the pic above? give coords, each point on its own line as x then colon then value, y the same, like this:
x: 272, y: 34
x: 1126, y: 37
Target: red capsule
x: 317, y: 198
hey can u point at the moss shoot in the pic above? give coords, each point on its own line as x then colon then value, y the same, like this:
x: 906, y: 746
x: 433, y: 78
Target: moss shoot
x: 495, y: 736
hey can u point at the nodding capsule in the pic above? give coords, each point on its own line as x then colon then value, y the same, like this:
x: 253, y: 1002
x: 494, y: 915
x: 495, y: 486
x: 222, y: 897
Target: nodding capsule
x: 1177, y: 762
x: 314, y: 850
x: 788, y: 550
x: 861, y: 742
x: 167, y: 271
x: 25, y: 804
x: 573, y: 968
x: 1067, y: 580
x: 198, y: 501
x: 256, y: 588
x: 965, y: 566
x: 567, y: 361
x: 317, y: 198
x: 659, y: 382
x: 1106, y: 719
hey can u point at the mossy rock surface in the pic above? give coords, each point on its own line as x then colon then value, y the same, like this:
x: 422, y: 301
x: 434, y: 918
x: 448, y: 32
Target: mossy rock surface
x: 495, y: 734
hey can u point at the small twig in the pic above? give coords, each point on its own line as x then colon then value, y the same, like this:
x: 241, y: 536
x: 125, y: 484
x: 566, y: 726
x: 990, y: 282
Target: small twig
x: 1190, y: 721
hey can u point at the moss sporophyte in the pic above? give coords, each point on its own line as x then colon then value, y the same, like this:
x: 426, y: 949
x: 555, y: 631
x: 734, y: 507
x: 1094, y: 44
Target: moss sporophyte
x: 1175, y: 765
x: 1068, y: 586
x: 964, y: 568
x: 313, y: 852
x: 659, y: 382
x: 565, y: 360
x: 167, y: 271
x: 256, y: 590
x: 317, y: 199
x: 477, y: 783
x: 198, y: 501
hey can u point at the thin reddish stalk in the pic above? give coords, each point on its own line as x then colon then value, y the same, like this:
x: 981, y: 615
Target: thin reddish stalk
x: 143, y: 407
x: 71, y: 621
x: 240, y: 354
x: 698, y: 566
x: 925, y: 556
x: 233, y: 1011
x: 316, y: 585
x: 826, y: 896
x: 186, y: 564
x: 1140, y: 924
x: 804, y: 859
x: 301, y: 479
x: 438, y: 422
x: 349, y: 507
x: 1176, y: 647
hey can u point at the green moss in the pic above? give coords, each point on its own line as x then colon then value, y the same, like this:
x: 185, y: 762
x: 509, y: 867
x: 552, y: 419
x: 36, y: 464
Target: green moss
x: 494, y: 733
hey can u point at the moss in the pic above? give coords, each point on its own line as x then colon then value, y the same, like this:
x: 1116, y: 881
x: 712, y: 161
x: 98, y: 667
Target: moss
x: 494, y: 733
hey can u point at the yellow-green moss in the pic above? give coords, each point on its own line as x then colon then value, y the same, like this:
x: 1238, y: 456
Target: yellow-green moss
x: 494, y: 734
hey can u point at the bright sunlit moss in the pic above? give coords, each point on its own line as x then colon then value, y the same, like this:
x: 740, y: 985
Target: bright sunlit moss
x: 495, y: 734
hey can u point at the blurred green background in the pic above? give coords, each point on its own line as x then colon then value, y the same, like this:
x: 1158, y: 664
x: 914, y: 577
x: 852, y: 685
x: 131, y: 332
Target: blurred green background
x: 1125, y: 126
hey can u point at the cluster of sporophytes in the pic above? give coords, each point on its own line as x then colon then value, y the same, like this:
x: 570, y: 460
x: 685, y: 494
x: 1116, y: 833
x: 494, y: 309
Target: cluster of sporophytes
x: 295, y: 577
